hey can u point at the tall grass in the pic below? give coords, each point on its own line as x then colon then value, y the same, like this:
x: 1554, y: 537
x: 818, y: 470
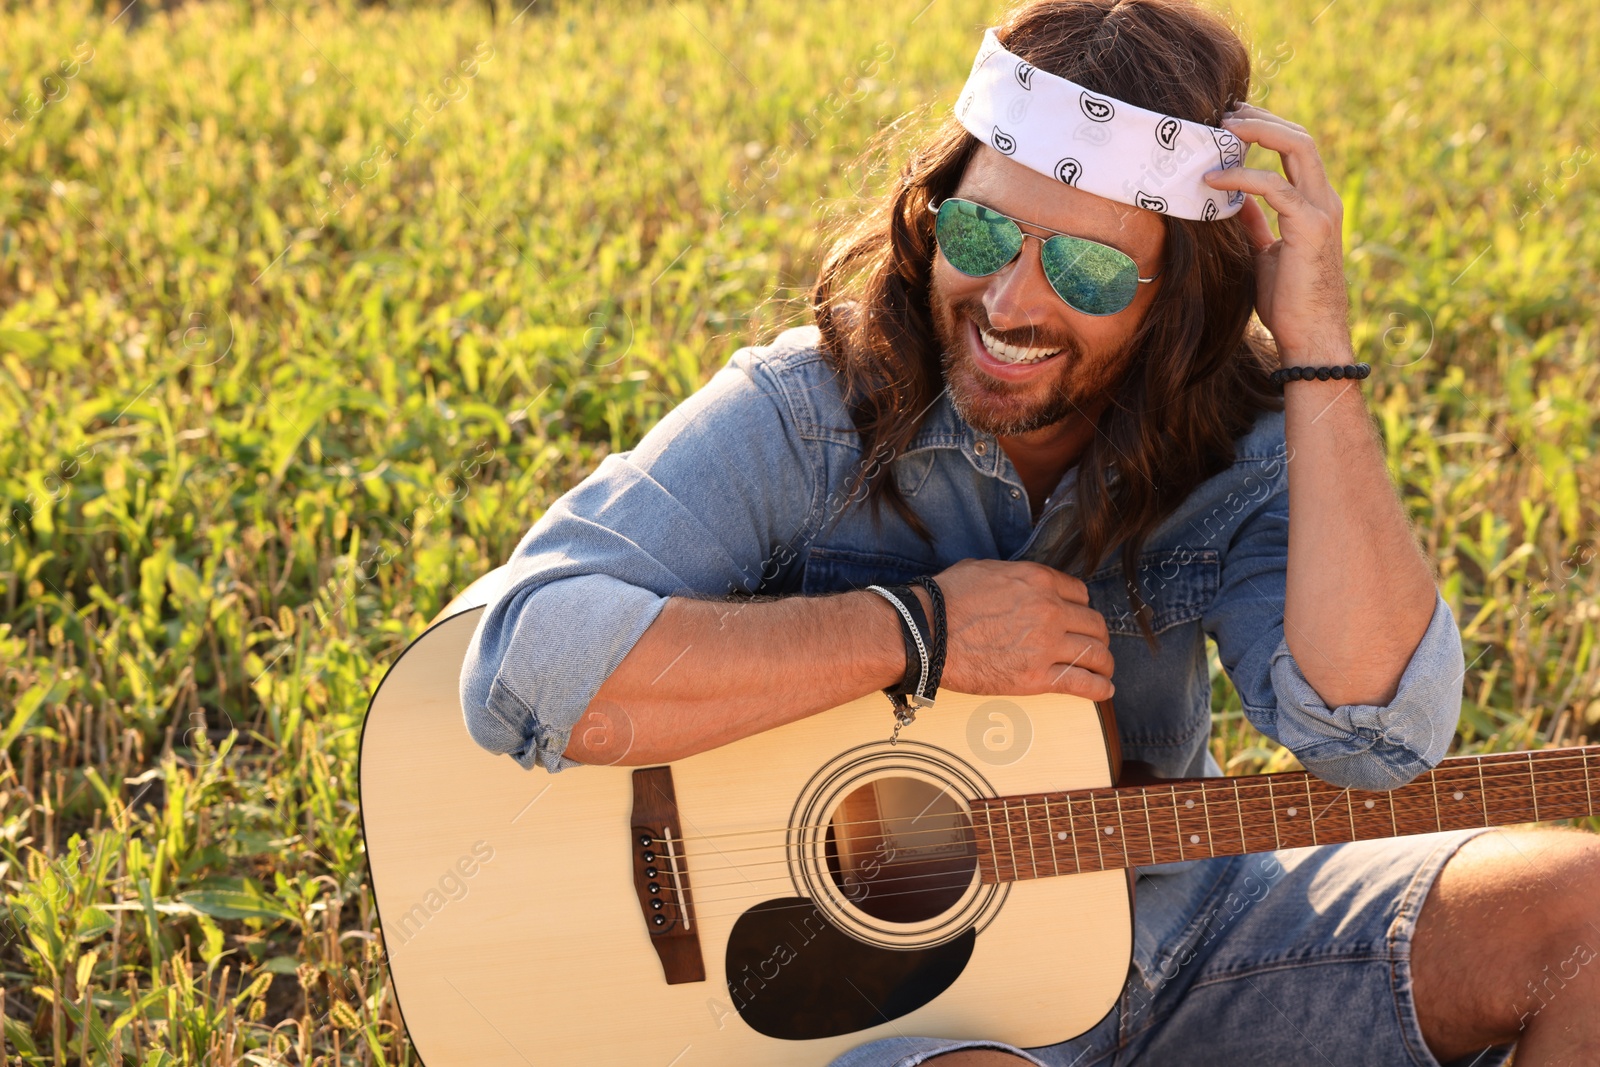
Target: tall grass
x: 291, y: 350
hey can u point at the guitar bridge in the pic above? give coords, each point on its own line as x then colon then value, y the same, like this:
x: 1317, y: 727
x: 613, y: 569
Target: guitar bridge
x: 661, y: 876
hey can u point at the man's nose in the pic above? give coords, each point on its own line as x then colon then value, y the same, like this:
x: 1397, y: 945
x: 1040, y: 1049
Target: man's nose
x: 1019, y: 296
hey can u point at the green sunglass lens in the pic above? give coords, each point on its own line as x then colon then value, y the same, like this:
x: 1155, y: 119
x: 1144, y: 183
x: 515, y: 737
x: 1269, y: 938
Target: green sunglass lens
x: 975, y: 240
x: 1094, y: 278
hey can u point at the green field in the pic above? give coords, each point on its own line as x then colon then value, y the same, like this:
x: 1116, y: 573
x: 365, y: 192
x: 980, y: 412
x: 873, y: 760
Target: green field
x: 307, y: 313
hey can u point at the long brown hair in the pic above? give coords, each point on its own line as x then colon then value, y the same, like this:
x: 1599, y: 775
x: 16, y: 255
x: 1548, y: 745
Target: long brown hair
x: 1198, y: 375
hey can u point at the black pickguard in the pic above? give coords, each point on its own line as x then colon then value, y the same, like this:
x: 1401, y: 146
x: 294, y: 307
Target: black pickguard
x: 793, y: 975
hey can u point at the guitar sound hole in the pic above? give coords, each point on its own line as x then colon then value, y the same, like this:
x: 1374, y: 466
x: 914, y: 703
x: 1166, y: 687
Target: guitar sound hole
x: 901, y: 849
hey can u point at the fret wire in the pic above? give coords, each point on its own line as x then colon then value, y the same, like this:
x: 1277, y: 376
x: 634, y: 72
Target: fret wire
x: 1533, y: 787
x: 1050, y: 829
x: 1311, y: 809
x: 1177, y: 823
x: 1587, y: 795
x: 1350, y: 809
x: 1073, y: 827
x: 1149, y: 827
x: 1393, y: 822
x: 1238, y: 809
x: 1011, y: 842
x: 1438, y: 819
x: 1277, y: 838
x: 1483, y: 792
x: 994, y: 846
x: 1094, y: 820
x: 1127, y: 859
x: 1205, y: 806
x: 1027, y: 828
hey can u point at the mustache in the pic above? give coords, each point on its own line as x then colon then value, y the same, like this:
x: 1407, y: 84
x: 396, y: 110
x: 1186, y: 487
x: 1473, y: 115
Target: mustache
x: 1028, y: 338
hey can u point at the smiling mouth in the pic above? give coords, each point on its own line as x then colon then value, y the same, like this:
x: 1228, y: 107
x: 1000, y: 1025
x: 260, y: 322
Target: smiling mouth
x: 1015, y: 354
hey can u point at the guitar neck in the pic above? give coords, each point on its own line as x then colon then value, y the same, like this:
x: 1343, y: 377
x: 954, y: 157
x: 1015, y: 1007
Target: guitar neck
x: 1046, y: 834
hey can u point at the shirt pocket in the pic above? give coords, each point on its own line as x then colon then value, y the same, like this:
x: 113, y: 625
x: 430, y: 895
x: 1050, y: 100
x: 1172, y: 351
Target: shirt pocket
x: 837, y: 570
x: 1178, y: 584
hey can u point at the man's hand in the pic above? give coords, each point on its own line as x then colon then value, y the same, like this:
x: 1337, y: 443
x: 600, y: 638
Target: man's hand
x: 1018, y: 628
x: 1300, y: 286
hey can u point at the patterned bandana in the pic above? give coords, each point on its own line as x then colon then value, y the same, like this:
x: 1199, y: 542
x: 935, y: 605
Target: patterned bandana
x: 1096, y: 143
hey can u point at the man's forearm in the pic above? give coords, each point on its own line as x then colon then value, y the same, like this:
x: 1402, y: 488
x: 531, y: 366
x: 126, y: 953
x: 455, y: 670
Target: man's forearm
x: 1359, y: 594
x: 707, y: 672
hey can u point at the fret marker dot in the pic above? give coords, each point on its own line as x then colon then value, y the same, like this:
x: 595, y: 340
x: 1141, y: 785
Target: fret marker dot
x: 1188, y: 803
x: 1194, y: 839
x: 1459, y: 794
x: 1293, y: 812
x: 1110, y: 829
x: 1370, y: 803
x: 1061, y: 835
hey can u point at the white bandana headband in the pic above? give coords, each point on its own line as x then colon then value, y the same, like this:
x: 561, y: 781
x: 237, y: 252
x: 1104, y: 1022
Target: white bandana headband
x: 1096, y: 143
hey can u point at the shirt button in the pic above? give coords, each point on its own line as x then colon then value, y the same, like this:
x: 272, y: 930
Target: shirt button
x: 981, y: 447
x: 1015, y: 493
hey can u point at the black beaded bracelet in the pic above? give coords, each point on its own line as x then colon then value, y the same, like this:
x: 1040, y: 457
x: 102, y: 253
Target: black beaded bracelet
x: 1322, y: 374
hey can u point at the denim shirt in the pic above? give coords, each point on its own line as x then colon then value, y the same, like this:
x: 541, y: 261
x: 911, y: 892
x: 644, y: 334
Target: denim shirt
x: 744, y: 488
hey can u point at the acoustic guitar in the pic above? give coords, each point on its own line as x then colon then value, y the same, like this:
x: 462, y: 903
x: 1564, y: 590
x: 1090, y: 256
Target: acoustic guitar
x: 786, y: 897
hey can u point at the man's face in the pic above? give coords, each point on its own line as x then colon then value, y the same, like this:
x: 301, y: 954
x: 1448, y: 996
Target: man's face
x: 1017, y: 306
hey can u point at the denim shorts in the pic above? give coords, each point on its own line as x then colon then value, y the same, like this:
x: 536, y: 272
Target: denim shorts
x: 1296, y: 956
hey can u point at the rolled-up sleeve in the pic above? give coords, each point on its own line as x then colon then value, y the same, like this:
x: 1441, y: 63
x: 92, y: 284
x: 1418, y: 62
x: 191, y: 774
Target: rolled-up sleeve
x: 702, y: 506
x: 1360, y: 746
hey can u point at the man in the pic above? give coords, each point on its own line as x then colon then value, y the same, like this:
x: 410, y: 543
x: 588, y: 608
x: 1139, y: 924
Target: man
x: 1081, y: 442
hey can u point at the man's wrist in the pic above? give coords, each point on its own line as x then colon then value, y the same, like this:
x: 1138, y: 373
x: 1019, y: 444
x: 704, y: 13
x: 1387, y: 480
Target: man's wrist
x: 1318, y: 356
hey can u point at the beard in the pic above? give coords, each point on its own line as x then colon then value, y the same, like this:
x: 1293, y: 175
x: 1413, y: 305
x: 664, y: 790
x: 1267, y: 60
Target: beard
x: 1080, y: 386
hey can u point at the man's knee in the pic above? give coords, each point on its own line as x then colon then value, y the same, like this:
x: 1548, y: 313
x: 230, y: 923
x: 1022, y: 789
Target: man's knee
x: 1563, y: 910
x: 1541, y: 881
x: 1513, y: 916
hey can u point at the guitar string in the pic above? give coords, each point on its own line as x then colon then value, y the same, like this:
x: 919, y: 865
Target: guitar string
x: 1160, y: 844
x: 1166, y: 847
x: 1500, y: 771
x: 1491, y: 779
x: 932, y: 883
x: 946, y: 880
x: 1165, y: 850
x: 927, y: 885
x: 1156, y: 838
x: 977, y: 860
x: 806, y: 902
x: 1109, y: 793
x: 1102, y: 793
x: 928, y: 881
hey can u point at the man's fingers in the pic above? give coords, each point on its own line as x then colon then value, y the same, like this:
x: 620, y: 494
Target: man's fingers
x: 1082, y: 619
x: 1255, y: 111
x: 1079, y: 682
x: 1067, y: 586
x: 1084, y: 653
x: 1302, y: 164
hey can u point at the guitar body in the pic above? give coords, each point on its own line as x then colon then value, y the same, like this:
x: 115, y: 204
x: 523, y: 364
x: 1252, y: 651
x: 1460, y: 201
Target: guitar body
x: 821, y: 880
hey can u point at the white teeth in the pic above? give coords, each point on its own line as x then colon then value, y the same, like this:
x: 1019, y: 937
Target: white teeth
x: 1015, y: 353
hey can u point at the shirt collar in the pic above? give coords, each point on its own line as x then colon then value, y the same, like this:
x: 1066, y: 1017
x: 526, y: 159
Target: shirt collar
x: 943, y: 427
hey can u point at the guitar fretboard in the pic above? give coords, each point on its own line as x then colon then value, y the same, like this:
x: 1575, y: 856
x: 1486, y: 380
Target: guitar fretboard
x: 1046, y: 834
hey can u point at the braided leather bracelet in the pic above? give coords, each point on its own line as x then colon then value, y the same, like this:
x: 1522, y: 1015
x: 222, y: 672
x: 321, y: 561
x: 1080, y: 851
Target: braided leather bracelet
x: 1321, y: 374
x: 924, y: 650
x: 915, y: 631
x: 936, y: 662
